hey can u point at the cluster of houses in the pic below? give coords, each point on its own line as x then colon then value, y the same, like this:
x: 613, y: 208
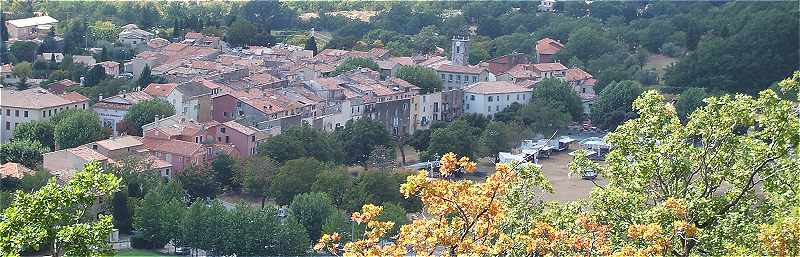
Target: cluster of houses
x: 228, y: 100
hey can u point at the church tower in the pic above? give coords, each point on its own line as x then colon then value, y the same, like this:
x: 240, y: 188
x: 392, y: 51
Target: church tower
x: 460, y: 50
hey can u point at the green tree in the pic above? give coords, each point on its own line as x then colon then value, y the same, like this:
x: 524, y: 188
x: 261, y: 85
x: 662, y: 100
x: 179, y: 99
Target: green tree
x: 353, y: 63
x: 146, y: 112
x: 240, y: 33
x: 378, y: 188
x: 615, y: 100
x: 360, y: 137
x: 311, y: 44
x: 545, y: 116
x: 145, y: 78
x: 224, y: 167
x: 22, y: 71
x: 96, y: 74
x: 311, y: 209
x: 292, y: 238
x: 25, y: 152
x: 293, y: 178
x: 335, y: 182
x: 61, y: 215
x: 586, y: 43
x: 302, y: 141
x: 689, y: 100
x: 122, y: 212
x: 103, y: 31
x: 458, y: 137
x: 24, y: 51
x: 395, y: 213
x: 425, y: 78
x: 199, y: 181
x: 157, y: 218
x: 426, y: 40
x: 77, y: 127
x: 38, y: 130
x: 557, y: 92
x: 495, y: 138
x: 255, y: 175
x: 730, y: 168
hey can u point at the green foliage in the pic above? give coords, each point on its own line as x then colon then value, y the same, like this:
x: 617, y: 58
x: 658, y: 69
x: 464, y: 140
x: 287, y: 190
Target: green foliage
x: 76, y: 127
x: 558, y: 93
x: 425, y: 78
x: 302, y: 141
x: 336, y: 183
x: 146, y: 112
x: 25, y: 152
x: 122, y: 212
x: 199, y: 182
x: 311, y: 44
x: 355, y: 63
x: 426, y: 41
x: 394, y: 213
x: 613, y: 105
x: 60, y: 214
x: 293, y: 178
x: 311, y: 210
x: 145, y: 78
x: 544, y: 116
x: 157, y: 217
x: 240, y: 33
x: 689, y: 100
x: 96, y: 74
x: 224, y: 167
x: 38, y: 130
x: 458, y: 137
x: 499, y: 137
x: 255, y: 174
x: 379, y: 188
x: 360, y: 137
x: 24, y: 51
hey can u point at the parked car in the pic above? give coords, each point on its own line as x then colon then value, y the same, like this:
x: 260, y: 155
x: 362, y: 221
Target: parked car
x: 589, y: 174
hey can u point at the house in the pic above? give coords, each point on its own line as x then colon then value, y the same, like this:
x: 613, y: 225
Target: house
x: 60, y: 86
x: 191, y: 100
x: 180, y: 154
x: 489, y: 98
x: 133, y: 36
x: 30, y: 28
x: 546, y: 48
x: 198, y: 39
x: 7, y: 74
x: 459, y: 76
x: 87, y: 60
x: 502, y: 64
x: 14, y: 170
x: 583, y: 83
x: 18, y: 107
x: 111, y: 67
x: 547, y: 6
x: 534, y: 73
x: 118, y: 147
x: 443, y: 106
x: 112, y: 110
x: 55, y: 57
x: 64, y: 163
x: 245, y: 139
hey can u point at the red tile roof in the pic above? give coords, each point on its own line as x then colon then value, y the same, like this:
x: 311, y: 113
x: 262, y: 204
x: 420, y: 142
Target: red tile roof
x: 576, y: 74
x: 495, y: 87
x: 548, y: 46
x: 74, y: 97
x: 58, y: 87
x: 172, y: 146
x: 162, y: 90
x: 549, y: 66
x: 13, y: 169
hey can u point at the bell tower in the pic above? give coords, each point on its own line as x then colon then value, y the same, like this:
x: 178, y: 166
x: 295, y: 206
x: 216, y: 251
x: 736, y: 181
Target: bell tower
x: 460, y: 50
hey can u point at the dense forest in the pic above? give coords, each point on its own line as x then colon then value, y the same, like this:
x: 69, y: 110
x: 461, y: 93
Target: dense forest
x: 722, y: 46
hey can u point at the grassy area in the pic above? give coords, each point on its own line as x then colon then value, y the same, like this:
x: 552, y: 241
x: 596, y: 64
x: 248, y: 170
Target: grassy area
x: 138, y: 252
x: 659, y: 63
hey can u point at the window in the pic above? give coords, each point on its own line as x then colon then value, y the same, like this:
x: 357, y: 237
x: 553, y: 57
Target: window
x: 472, y: 97
x: 490, y: 109
x: 253, y: 138
x: 458, y: 77
x: 50, y: 112
x: 497, y: 108
x: 467, y: 107
x: 450, y: 78
x: 166, y: 172
x: 44, y: 114
x: 583, y: 90
x: 474, y: 78
x: 222, y: 130
x: 16, y: 113
x: 435, y: 107
x: 443, y: 77
x: 491, y: 99
x: 508, y: 97
x: 8, y: 112
x: 523, y: 96
x: 8, y: 125
x: 227, y: 139
x: 517, y: 97
x: 25, y: 114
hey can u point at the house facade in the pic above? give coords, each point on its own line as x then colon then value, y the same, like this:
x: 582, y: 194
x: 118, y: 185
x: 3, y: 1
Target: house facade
x: 30, y: 28
x: 489, y: 98
x: 28, y: 105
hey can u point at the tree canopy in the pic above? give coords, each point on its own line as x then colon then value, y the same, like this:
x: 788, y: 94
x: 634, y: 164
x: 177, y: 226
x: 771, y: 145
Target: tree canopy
x: 302, y: 141
x: 425, y: 78
x: 360, y: 137
x: 76, y: 127
x: 146, y: 112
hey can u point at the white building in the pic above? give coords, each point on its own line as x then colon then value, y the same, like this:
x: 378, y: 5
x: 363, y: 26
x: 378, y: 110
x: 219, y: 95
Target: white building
x: 18, y: 107
x: 113, y: 109
x: 491, y: 97
x: 547, y: 6
x: 133, y: 36
x: 30, y: 28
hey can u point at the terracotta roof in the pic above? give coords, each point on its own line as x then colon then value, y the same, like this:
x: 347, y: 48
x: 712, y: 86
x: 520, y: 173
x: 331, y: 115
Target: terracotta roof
x: 239, y: 127
x: 119, y: 142
x: 495, y: 87
x: 88, y: 154
x: 460, y: 69
x: 58, y: 87
x: 549, y: 66
x: 386, y: 65
x: 37, y: 98
x: 521, y: 71
x: 193, y: 35
x: 13, y: 169
x: 157, y: 43
x: 548, y: 46
x: 329, y: 83
x: 209, y: 84
x: 175, y: 47
x: 378, y: 52
x: 402, y: 60
x: 157, y: 163
x: 576, y: 74
x: 172, y: 146
x: 162, y: 90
